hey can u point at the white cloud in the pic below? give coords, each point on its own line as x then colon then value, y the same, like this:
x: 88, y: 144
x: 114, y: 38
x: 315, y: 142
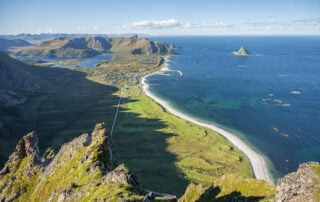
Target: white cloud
x: 315, y: 20
x: 49, y: 30
x: 276, y: 26
x: 82, y: 29
x: 152, y: 24
x: 214, y: 25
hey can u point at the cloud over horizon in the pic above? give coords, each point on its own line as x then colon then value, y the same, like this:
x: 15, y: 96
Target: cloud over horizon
x: 153, y: 24
x: 215, y: 25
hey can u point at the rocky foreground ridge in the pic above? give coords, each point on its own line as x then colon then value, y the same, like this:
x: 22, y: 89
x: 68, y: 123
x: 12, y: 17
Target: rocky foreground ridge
x: 85, y: 169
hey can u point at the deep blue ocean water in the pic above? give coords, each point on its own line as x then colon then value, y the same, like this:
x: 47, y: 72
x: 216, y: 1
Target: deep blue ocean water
x: 271, y: 99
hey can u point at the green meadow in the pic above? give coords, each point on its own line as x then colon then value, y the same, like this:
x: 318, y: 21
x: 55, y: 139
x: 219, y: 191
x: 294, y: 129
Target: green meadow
x: 166, y: 153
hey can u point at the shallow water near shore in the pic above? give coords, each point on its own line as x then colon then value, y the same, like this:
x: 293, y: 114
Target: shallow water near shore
x: 270, y: 98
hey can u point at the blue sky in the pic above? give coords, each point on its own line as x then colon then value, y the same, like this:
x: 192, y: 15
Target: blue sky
x: 165, y: 17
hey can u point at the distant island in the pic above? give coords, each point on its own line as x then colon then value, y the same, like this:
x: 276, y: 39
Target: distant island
x: 241, y: 52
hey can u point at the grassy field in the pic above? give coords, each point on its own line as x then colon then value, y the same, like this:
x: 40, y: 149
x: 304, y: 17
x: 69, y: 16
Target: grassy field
x: 167, y: 153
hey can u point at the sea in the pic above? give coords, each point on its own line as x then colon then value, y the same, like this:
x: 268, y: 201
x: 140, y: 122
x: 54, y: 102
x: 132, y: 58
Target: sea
x: 270, y: 99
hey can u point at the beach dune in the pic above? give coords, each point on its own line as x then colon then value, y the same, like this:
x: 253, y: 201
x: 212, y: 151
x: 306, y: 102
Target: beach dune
x: 256, y: 160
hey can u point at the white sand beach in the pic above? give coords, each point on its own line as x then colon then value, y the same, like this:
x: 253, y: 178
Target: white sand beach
x: 257, y: 162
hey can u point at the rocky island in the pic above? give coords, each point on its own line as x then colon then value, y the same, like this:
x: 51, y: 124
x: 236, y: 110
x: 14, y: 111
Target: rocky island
x: 241, y: 52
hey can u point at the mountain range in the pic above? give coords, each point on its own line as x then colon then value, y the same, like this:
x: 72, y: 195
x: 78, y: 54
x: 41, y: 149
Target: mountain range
x: 94, y: 45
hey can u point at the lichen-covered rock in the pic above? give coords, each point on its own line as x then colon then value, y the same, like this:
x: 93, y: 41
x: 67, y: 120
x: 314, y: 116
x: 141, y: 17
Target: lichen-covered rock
x: 303, y: 185
x: 121, y: 175
x: 83, y: 170
x: 26, y: 147
x: 22, y: 166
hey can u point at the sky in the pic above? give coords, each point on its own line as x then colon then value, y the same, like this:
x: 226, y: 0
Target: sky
x: 165, y: 17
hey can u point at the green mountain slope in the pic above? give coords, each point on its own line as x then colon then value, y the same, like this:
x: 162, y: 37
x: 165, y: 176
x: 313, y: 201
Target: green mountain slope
x: 58, y: 103
x: 10, y: 43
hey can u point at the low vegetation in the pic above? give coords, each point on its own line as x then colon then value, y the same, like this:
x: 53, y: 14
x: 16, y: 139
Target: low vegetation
x: 231, y: 188
x: 159, y: 147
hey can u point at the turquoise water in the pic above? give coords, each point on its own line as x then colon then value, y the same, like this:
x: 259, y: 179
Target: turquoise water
x: 271, y: 98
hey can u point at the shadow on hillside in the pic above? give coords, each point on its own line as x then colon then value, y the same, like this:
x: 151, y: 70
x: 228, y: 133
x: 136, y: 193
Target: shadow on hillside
x: 235, y: 196
x: 142, y: 147
x: 66, y: 105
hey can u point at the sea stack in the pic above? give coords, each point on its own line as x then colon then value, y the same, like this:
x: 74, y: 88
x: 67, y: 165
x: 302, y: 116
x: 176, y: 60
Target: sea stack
x: 241, y: 52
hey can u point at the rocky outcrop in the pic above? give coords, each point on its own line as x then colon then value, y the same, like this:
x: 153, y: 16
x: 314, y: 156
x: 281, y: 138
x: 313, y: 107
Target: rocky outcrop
x: 83, y: 169
x: 26, y: 147
x: 241, y: 52
x: 21, y: 166
x: 121, y: 175
x: 100, y: 44
x: 303, y: 185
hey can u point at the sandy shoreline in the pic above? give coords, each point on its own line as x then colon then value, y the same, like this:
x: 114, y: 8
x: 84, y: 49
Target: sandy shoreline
x: 257, y: 162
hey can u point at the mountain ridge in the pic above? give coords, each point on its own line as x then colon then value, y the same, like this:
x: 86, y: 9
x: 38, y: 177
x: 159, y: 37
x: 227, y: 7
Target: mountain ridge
x: 95, y: 45
x: 81, y: 170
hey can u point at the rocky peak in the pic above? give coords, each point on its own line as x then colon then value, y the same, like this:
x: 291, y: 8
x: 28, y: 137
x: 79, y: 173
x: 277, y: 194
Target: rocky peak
x: 26, y: 147
x: 30, y: 144
x: 303, y: 185
x: 99, y: 131
x: 121, y: 175
x: 100, y: 44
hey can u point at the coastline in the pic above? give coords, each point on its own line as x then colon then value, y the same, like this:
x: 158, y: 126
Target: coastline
x: 257, y: 162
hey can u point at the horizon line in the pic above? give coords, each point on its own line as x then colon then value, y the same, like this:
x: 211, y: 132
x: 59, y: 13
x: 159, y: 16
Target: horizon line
x: 161, y: 35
